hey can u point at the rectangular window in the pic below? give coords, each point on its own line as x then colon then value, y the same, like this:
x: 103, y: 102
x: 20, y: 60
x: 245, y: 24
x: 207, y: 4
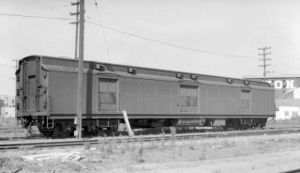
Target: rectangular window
x: 245, y: 101
x: 188, y: 98
x: 107, y: 93
x: 286, y: 113
x: 188, y: 95
x: 294, y: 113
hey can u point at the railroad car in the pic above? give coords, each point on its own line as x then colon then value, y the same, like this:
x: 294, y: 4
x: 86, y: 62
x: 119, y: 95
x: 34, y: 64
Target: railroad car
x: 46, y: 89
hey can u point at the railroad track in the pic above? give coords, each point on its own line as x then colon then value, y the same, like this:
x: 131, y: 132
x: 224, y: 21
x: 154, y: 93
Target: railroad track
x: 7, y: 145
x: 19, y: 133
x: 8, y: 130
x: 6, y: 133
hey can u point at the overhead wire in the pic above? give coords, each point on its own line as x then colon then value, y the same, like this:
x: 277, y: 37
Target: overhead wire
x: 170, y: 44
x: 102, y: 30
x: 287, y: 65
x: 136, y: 36
x: 35, y: 17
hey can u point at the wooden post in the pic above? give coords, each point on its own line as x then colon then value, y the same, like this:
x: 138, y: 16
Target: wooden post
x: 130, y: 132
x: 80, y: 70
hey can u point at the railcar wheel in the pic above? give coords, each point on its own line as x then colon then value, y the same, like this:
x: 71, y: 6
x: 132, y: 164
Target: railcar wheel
x: 47, y: 133
x: 58, y: 130
x: 111, y: 131
x: 101, y: 132
x: 262, y: 126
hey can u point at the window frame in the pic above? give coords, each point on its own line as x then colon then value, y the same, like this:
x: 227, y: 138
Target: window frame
x: 243, y: 93
x: 294, y: 113
x: 196, y: 106
x: 116, y: 84
x: 286, y: 113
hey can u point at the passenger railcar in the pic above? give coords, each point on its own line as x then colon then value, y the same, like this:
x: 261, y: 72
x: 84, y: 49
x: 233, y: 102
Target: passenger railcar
x: 47, y: 88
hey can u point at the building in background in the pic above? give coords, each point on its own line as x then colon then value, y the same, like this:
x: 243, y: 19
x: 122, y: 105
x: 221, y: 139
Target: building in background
x: 7, y: 106
x: 287, y: 95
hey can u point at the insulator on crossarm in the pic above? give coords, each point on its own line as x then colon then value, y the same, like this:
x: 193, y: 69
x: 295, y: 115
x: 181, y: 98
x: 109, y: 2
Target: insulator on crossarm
x: 73, y: 14
x: 74, y: 3
x: 75, y: 22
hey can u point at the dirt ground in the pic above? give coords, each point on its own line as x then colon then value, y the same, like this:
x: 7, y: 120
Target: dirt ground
x: 268, y: 153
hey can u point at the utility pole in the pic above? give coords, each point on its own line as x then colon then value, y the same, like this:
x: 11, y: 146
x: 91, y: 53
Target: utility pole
x: 264, y: 60
x: 80, y: 70
x: 76, y: 29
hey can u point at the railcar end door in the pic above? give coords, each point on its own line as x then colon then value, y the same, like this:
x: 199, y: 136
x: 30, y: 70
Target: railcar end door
x: 31, y: 93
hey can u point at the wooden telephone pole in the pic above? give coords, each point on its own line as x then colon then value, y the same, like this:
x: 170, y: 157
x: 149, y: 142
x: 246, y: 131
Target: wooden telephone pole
x: 80, y: 70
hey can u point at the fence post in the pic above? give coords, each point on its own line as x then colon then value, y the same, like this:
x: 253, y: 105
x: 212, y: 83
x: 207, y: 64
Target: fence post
x: 130, y: 132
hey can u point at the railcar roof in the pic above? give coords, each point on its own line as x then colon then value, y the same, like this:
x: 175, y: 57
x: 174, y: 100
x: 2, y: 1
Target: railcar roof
x: 207, y: 77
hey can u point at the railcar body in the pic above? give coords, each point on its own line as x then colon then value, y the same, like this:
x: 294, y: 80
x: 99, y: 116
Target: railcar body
x: 47, y: 89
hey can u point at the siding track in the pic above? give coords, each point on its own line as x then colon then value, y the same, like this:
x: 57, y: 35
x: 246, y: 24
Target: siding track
x: 44, y: 143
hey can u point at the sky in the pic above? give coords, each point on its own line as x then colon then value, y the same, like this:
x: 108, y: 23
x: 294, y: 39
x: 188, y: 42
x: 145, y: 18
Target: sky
x: 215, y: 37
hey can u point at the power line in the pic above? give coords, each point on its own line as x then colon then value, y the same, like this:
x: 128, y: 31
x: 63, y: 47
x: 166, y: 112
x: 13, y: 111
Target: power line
x: 170, y: 44
x: 102, y: 30
x: 287, y: 65
x: 35, y: 17
x: 136, y: 36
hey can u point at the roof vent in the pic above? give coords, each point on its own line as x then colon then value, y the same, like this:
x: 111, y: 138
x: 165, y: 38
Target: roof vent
x: 99, y: 67
x: 194, y: 77
x: 230, y: 81
x: 179, y: 75
x: 131, y: 70
x: 246, y: 82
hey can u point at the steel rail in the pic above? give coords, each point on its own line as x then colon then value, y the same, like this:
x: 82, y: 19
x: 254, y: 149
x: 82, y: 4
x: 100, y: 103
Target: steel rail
x: 6, y: 134
x: 11, y: 130
x: 7, y: 145
x: 44, y: 143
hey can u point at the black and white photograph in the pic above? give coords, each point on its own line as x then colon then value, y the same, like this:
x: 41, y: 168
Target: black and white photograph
x: 149, y: 86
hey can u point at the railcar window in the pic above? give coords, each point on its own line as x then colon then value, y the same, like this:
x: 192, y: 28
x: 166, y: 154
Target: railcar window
x: 245, y: 98
x: 188, y: 96
x: 107, y: 94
